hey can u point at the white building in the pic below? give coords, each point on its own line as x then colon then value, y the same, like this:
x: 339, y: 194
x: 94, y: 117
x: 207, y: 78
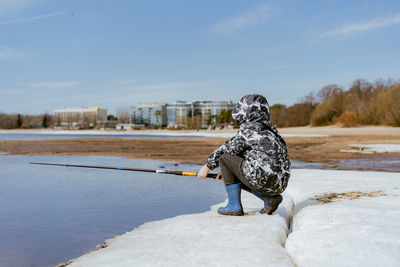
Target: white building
x: 180, y: 114
x: 210, y: 109
x: 83, y: 117
x: 195, y: 114
x: 149, y: 114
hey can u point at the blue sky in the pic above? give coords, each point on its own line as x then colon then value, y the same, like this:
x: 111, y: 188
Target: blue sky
x: 70, y: 53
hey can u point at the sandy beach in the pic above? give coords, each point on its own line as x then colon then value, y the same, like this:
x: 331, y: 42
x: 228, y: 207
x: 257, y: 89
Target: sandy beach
x: 307, y: 144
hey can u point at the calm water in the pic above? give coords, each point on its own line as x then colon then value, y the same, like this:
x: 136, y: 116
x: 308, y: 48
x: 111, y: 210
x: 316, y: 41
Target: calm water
x: 17, y: 136
x: 381, y: 164
x: 49, y: 214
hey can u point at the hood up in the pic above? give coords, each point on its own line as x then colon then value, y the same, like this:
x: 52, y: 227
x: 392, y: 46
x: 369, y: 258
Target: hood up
x: 251, y: 108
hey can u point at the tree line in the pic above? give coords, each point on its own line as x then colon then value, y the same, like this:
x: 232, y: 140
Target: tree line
x: 18, y: 121
x: 364, y: 103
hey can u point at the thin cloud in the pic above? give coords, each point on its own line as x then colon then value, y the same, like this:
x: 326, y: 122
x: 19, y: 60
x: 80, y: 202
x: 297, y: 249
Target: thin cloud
x: 55, y: 84
x: 356, y: 28
x: 251, y: 17
x: 7, y: 6
x: 29, y: 19
x: 127, y: 96
x: 9, y: 52
x: 128, y: 81
x: 284, y: 67
x: 164, y: 86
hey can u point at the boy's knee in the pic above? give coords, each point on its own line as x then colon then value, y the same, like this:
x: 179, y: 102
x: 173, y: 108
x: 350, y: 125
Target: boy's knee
x: 223, y: 158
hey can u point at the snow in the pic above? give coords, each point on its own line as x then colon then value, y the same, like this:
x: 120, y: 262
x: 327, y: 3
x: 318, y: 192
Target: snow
x: 359, y: 229
x: 216, y: 133
x: 303, y: 135
x: 199, y: 240
x: 358, y: 232
x: 373, y: 148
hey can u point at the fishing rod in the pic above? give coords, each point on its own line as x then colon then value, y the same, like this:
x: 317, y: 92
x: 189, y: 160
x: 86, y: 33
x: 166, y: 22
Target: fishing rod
x: 182, y: 173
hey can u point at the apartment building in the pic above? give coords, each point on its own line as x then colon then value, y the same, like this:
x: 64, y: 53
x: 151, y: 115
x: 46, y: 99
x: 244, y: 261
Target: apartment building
x: 149, y: 114
x: 81, y: 117
x: 210, y: 109
x: 180, y: 114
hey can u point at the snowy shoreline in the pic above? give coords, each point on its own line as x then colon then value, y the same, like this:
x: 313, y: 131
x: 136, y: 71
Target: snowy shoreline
x: 372, y: 148
x: 340, y: 218
x: 93, y: 133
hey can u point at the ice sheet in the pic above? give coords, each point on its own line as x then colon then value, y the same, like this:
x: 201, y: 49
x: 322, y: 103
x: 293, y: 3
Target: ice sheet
x: 373, y: 148
x: 216, y: 133
x: 355, y: 229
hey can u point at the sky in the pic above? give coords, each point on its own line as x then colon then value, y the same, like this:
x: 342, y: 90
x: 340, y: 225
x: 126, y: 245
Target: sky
x: 118, y: 53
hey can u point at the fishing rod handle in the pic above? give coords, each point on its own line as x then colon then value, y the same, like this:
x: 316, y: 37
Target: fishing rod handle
x: 210, y: 175
x: 213, y: 175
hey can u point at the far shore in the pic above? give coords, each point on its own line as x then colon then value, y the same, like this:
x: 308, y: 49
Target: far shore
x: 114, y: 131
x: 307, y: 144
x: 332, y: 130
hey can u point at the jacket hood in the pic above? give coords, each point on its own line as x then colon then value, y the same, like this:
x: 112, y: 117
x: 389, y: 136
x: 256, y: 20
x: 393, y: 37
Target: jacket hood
x: 251, y: 108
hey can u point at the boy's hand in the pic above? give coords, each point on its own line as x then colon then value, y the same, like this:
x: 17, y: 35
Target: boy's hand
x: 203, y: 172
x: 219, y: 176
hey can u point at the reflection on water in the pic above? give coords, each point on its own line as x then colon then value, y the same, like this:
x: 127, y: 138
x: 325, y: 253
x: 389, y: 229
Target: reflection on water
x: 52, y: 214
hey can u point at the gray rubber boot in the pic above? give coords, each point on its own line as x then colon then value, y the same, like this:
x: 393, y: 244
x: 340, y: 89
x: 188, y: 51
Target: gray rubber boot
x: 271, y: 203
x: 234, y: 206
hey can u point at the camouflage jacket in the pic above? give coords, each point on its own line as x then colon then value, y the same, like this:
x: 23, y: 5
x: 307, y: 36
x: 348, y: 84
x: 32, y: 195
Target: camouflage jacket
x: 266, y: 164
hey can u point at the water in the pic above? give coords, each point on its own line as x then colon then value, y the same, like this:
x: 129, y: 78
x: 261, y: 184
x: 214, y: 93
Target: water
x: 391, y: 164
x: 18, y: 136
x: 50, y: 215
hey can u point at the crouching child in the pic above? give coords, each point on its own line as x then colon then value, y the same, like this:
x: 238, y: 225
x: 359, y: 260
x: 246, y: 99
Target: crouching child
x: 255, y: 159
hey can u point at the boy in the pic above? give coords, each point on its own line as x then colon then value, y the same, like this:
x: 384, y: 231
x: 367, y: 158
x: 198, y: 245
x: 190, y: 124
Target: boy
x: 255, y: 159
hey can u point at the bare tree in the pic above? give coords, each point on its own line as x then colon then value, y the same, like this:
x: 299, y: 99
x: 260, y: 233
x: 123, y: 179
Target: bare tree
x: 123, y: 114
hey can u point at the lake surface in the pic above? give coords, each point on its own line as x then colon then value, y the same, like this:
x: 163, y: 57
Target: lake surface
x: 50, y: 215
x: 391, y: 164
